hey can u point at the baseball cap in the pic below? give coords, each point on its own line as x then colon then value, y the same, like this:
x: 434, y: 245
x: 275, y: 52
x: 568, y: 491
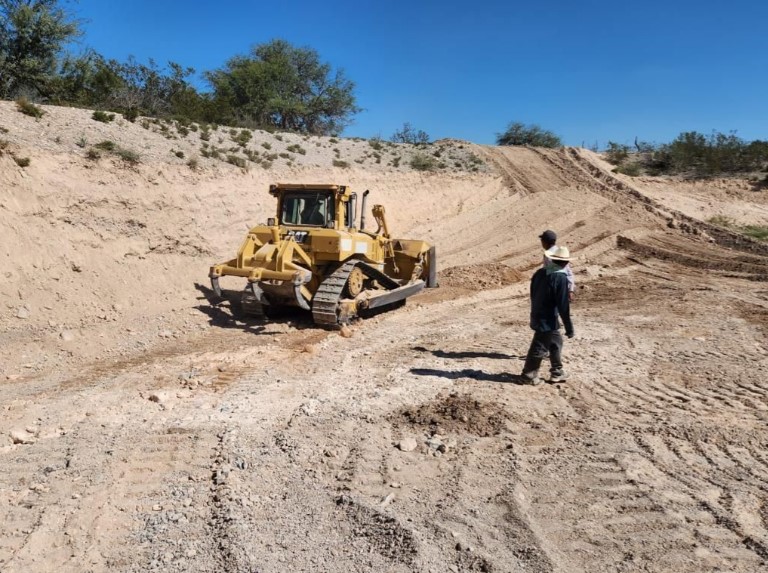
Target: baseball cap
x: 549, y: 236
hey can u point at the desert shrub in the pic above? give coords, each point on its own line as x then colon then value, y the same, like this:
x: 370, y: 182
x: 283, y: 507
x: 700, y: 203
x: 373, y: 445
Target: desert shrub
x: 340, y: 163
x: 252, y: 154
x: 82, y: 142
x: 396, y: 161
x: 616, y: 153
x: 183, y: 130
x: 193, y: 127
x: 103, y: 116
x: 721, y: 221
x: 128, y: 155
x: 278, y: 137
x: 631, y: 169
x: 333, y: 140
x: 266, y: 164
x: 243, y: 137
x: 193, y: 163
x: 285, y: 155
x: 106, y: 145
x: 375, y: 143
x: 4, y: 144
x: 22, y: 161
x: 3, y: 129
x: 756, y: 232
x: 266, y: 145
x: 205, y: 135
x: 237, y: 161
x: 296, y: 148
x: 179, y: 154
x: 421, y: 162
x: 518, y: 133
x: 28, y: 108
x: 93, y: 154
x: 407, y: 134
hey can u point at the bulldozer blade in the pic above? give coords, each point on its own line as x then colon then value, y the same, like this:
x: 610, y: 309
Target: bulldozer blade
x: 390, y: 296
x: 216, y: 287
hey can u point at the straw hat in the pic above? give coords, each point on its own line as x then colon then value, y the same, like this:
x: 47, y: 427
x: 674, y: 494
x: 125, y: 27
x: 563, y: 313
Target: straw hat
x: 558, y: 254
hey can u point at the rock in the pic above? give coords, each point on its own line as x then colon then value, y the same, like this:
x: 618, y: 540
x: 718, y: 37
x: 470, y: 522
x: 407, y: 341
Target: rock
x: 166, y: 334
x: 22, y: 312
x: 67, y: 335
x: 159, y: 397
x: 408, y: 444
x: 12, y: 376
x: 345, y: 332
x: 22, y: 437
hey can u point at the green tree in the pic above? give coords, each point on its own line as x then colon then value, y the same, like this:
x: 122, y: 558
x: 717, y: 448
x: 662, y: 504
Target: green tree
x: 281, y: 86
x: 532, y: 135
x: 32, y: 35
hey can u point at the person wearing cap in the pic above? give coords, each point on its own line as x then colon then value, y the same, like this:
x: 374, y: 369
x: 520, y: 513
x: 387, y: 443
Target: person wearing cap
x: 549, y: 244
x: 549, y: 304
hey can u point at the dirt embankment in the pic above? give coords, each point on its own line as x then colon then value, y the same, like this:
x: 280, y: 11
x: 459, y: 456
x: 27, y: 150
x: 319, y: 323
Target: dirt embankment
x: 146, y: 429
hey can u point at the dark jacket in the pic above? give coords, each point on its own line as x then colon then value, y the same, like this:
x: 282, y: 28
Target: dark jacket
x: 549, y: 299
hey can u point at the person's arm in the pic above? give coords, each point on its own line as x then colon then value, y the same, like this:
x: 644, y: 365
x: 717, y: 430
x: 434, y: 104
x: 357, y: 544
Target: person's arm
x: 564, y: 305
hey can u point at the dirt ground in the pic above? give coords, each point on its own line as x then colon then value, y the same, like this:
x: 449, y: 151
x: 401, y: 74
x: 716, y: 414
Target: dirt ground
x: 146, y: 427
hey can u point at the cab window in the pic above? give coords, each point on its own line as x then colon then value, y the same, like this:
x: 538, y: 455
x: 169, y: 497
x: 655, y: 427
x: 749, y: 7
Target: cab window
x: 310, y: 209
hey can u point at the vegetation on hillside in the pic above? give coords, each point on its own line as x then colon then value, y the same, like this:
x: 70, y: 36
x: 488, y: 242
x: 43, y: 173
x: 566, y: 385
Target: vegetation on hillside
x: 518, y: 133
x: 692, y: 154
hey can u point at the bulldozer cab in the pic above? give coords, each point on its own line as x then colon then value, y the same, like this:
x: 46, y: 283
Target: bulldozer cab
x: 307, y: 208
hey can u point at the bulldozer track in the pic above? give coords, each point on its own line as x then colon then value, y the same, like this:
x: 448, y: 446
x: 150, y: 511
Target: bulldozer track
x: 325, y: 304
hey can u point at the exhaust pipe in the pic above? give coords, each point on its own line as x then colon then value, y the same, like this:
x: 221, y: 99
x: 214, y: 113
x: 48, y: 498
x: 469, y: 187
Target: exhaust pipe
x: 362, y: 210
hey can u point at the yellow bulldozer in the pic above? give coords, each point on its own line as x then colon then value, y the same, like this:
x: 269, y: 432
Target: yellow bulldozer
x: 313, y: 255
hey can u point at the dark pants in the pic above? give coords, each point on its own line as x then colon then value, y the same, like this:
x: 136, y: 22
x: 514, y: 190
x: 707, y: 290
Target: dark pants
x: 545, y: 343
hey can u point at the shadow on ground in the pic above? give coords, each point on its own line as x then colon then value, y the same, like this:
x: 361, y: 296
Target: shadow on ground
x: 467, y: 354
x: 503, y: 377
x: 225, y: 312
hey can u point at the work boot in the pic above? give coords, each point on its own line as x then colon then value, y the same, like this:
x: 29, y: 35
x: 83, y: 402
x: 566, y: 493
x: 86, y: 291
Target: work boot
x: 532, y: 378
x: 559, y: 376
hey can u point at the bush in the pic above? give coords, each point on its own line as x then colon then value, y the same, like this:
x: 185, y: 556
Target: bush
x: 375, y: 143
x: 193, y: 164
x: 179, y: 154
x: 28, y: 108
x: 340, y: 163
x: 409, y: 135
x: 266, y: 145
x: 22, y: 161
x: 296, y: 148
x: 103, y: 116
x: 527, y: 135
x: 128, y: 156
x: 131, y: 114
x: 93, y: 154
x: 106, y: 145
x: 237, y: 161
x: 421, y: 162
x: 616, y: 153
x: 631, y: 169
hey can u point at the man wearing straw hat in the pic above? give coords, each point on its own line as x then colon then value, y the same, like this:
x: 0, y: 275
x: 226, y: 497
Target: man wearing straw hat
x: 549, y: 303
x: 549, y: 244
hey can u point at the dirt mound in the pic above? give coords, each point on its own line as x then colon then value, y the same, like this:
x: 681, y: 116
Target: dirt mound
x: 457, y: 414
x: 480, y: 277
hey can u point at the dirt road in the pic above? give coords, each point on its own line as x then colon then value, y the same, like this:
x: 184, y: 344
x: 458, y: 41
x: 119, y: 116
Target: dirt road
x: 184, y: 437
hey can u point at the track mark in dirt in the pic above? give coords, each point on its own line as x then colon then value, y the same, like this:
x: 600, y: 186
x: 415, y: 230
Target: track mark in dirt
x: 713, y: 483
x: 383, y: 532
x: 455, y: 413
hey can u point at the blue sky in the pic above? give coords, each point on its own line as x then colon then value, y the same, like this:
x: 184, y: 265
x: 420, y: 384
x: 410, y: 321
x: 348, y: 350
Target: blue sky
x: 589, y: 70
